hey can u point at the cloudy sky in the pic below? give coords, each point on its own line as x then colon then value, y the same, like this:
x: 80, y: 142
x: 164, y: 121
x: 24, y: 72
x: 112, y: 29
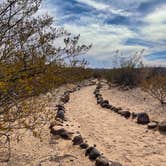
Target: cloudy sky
x: 125, y: 25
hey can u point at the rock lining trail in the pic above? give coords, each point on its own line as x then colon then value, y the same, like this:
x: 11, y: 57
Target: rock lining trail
x: 119, y: 139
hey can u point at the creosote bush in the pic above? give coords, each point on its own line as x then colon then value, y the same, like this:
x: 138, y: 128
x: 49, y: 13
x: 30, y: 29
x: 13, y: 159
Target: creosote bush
x: 156, y: 87
x: 30, y: 61
x: 128, y: 71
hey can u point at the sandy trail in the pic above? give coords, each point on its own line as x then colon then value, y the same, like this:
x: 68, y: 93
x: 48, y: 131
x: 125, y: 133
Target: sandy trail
x: 119, y: 139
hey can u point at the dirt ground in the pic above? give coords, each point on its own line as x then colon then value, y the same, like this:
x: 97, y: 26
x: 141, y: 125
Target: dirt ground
x: 135, y: 100
x: 119, y: 139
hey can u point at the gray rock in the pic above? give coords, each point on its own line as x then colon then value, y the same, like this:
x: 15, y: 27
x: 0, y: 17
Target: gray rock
x: 119, y: 108
x: 87, y: 152
x: 114, y: 109
x: 99, y: 101
x: 99, y: 98
x: 104, y: 104
x: 152, y: 125
x: 61, y: 132
x: 143, y: 118
x: 96, y: 91
x: 133, y: 115
x: 65, y: 98
x: 60, y: 114
x: 105, y: 101
x: 94, y: 154
x: 65, y: 135
x: 77, y: 140
x: 162, y: 126
x: 126, y: 114
x: 102, y: 161
x: 98, y: 95
x: 84, y: 145
x: 60, y: 107
x: 108, y: 106
x: 120, y: 112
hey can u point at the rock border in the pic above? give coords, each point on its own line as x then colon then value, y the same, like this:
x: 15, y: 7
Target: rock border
x: 90, y: 151
x: 141, y: 118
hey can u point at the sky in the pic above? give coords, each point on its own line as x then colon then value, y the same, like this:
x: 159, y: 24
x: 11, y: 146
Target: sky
x: 110, y: 25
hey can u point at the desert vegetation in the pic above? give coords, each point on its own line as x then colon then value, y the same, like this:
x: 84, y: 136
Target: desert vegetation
x: 131, y: 73
x: 30, y: 63
x: 156, y: 87
x: 46, y: 92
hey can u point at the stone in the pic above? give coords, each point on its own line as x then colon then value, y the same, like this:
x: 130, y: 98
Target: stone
x: 67, y: 93
x: 65, y: 98
x: 114, y: 109
x: 96, y: 91
x: 126, y: 114
x: 104, y: 103
x: 99, y: 101
x: 115, y: 164
x: 119, y: 108
x: 98, y: 87
x: 108, y: 106
x: 119, y: 111
x: 152, y: 125
x: 143, y: 118
x: 94, y: 154
x: 84, y: 145
x: 102, y: 161
x: 60, y: 107
x: 133, y: 115
x: 77, y: 140
x: 98, y: 95
x: 162, y: 126
x: 61, y: 132
x: 87, y: 152
x: 56, y: 132
x: 65, y: 135
x: 60, y: 114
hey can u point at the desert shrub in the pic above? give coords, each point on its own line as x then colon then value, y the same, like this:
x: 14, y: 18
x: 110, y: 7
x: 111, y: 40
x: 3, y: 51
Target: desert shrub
x: 156, y: 87
x: 125, y: 76
x: 128, y: 71
x: 30, y: 62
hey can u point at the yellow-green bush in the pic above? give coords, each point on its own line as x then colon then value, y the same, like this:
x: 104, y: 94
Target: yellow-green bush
x: 30, y: 62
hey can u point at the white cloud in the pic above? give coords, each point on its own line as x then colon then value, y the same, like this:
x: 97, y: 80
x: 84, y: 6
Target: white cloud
x: 158, y: 16
x: 155, y: 30
x: 97, y: 5
x: 155, y: 63
x: 104, y: 7
x: 106, y: 39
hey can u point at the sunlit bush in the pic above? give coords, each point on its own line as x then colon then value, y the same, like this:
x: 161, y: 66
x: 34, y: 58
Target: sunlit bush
x: 30, y: 61
x: 156, y: 87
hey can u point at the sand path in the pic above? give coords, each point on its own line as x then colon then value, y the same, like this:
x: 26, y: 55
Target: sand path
x: 119, y: 139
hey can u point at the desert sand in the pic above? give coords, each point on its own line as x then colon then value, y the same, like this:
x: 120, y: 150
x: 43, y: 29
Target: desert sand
x: 117, y: 138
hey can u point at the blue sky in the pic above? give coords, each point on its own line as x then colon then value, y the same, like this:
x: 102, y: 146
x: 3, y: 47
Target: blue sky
x: 110, y: 25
